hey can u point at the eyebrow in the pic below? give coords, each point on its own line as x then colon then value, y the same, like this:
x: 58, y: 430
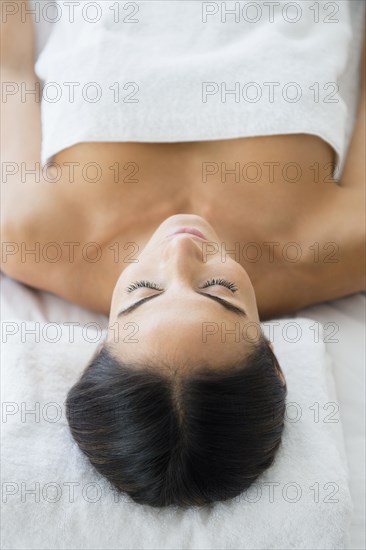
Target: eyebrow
x: 224, y: 303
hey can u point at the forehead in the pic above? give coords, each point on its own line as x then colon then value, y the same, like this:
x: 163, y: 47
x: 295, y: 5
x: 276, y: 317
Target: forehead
x: 190, y: 335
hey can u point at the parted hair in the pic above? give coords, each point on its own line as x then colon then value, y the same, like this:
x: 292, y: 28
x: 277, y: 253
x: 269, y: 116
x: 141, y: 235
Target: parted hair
x: 176, y: 436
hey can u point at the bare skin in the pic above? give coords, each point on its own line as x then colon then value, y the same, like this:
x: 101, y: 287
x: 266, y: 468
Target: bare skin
x: 170, y: 181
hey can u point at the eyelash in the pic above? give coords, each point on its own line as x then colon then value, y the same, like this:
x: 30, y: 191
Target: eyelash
x: 220, y: 282
x: 138, y: 284
x: 210, y: 282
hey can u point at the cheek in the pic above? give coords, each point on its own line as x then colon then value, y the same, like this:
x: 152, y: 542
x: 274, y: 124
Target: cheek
x: 247, y: 284
x: 114, y: 332
x: 117, y: 296
x: 130, y: 273
x: 248, y: 291
x: 239, y: 274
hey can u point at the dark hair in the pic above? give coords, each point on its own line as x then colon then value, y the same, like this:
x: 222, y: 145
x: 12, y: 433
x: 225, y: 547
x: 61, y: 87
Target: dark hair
x: 186, y: 439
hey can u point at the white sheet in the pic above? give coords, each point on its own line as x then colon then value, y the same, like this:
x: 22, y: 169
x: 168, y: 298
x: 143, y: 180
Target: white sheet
x: 308, y: 507
x: 347, y: 355
x: 348, y: 317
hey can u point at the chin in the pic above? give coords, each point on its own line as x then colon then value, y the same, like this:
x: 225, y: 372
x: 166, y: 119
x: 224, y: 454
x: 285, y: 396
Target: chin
x: 180, y: 218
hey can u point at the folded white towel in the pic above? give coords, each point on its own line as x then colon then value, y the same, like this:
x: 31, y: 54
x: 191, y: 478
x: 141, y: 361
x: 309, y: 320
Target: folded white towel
x: 302, y: 501
x: 156, y: 71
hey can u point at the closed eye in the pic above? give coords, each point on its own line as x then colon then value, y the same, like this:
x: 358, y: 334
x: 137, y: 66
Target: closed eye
x: 227, y: 305
x: 210, y: 282
x: 142, y: 284
x: 220, y: 282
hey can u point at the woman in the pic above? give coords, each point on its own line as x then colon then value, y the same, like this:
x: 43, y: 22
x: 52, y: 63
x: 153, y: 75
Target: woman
x: 184, y: 403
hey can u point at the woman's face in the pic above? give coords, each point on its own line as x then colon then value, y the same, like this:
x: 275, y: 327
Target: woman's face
x: 183, y: 300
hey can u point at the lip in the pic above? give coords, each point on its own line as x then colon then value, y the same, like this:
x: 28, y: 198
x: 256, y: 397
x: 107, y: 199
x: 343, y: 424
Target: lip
x: 190, y: 231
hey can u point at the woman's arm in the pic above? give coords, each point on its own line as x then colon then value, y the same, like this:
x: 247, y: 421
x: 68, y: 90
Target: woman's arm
x: 17, y: 43
x: 20, y: 111
x: 32, y: 209
x: 20, y: 131
x: 332, y: 237
x: 20, y: 128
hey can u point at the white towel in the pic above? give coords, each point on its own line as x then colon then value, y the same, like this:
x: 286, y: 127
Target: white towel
x: 157, y: 71
x: 302, y: 501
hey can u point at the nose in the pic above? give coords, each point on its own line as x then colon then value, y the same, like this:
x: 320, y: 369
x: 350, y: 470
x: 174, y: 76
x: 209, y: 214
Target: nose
x: 182, y: 255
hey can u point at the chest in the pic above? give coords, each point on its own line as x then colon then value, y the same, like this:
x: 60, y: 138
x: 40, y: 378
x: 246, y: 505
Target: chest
x: 247, y: 188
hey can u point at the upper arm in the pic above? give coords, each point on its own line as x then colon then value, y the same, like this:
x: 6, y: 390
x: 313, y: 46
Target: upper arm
x: 20, y: 127
x: 17, y: 50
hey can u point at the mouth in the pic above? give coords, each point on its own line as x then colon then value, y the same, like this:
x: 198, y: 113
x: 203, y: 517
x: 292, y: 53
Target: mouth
x: 190, y: 231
